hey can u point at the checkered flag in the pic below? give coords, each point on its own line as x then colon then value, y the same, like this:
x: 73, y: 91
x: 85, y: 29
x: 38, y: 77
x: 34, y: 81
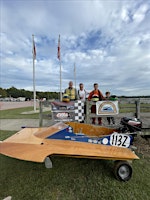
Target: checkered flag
x: 79, y: 111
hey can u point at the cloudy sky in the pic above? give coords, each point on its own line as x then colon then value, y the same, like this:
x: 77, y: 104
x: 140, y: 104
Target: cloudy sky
x: 108, y: 40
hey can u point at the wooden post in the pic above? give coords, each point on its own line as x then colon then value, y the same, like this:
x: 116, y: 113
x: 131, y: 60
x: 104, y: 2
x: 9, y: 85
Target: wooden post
x: 40, y: 114
x: 87, y: 118
x: 137, y: 102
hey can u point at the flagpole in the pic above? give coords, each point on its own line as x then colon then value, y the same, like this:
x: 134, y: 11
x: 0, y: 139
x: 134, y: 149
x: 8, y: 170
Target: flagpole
x: 60, y: 83
x: 59, y: 57
x: 75, y: 74
x: 34, y: 91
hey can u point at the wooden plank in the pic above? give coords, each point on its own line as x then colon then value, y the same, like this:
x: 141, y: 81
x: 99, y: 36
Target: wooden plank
x: 38, y: 152
x: 30, y: 144
x: 90, y: 130
x: 26, y: 136
x: 89, y: 115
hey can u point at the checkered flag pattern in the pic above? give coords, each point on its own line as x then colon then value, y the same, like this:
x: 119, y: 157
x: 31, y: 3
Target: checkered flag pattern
x: 79, y: 111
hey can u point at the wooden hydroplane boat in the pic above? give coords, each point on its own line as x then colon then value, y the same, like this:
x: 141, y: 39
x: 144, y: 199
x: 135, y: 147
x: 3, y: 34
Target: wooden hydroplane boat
x: 70, y: 139
x: 75, y: 140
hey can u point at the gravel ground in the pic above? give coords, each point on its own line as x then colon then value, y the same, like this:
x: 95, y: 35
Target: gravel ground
x: 10, y: 105
x: 17, y: 124
x: 143, y: 146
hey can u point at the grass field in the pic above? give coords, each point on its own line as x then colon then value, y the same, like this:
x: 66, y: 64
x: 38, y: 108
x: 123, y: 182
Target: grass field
x: 71, y: 179
x: 17, y: 113
x: 125, y: 108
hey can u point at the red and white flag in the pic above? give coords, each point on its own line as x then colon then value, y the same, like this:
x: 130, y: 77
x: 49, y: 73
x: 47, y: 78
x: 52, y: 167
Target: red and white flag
x: 34, y: 50
x: 58, y: 53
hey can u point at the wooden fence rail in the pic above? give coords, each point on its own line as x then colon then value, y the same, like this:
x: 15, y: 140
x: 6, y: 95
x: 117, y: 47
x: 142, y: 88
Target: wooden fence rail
x: 135, y: 105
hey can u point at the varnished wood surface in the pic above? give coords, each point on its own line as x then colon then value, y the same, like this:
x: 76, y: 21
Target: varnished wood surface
x: 29, y: 144
x: 26, y: 136
x: 51, y: 130
x: 38, y: 152
x: 90, y: 129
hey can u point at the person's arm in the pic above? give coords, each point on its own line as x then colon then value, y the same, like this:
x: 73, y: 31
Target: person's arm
x: 90, y: 96
x: 101, y: 96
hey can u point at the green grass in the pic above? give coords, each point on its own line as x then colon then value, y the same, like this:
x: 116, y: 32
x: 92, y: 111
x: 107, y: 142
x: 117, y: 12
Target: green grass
x: 71, y: 179
x: 17, y: 113
x: 127, y: 108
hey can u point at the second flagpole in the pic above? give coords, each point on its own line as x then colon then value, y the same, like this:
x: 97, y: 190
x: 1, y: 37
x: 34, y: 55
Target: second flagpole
x: 60, y: 83
x: 75, y: 74
x: 59, y: 57
x: 34, y: 57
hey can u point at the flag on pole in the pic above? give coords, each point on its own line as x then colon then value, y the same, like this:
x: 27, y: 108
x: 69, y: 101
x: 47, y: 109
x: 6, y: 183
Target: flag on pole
x: 58, y: 53
x: 34, y: 50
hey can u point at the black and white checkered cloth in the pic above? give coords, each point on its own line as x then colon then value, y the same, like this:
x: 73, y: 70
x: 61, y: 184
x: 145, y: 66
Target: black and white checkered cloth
x: 79, y: 111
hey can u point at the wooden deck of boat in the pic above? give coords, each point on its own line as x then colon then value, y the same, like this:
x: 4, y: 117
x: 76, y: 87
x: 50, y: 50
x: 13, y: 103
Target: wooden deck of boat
x: 30, y: 144
x: 90, y: 130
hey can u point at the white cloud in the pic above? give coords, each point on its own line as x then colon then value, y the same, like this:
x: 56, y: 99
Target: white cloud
x: 108, y: 40
x: 140, y: 13
x: 125, y: 15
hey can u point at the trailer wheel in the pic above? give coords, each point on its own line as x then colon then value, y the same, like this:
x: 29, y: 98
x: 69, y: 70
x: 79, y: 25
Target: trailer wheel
x: 122, y: 170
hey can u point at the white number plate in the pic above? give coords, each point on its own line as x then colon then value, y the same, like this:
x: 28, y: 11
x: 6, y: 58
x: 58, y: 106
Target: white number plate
x: 120, y: 140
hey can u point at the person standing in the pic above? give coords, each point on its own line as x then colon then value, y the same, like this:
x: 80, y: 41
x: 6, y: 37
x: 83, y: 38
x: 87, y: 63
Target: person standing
x: 95, y: 95
x: 71, y: 92
x: 82, y: 93
x: 109, y: 119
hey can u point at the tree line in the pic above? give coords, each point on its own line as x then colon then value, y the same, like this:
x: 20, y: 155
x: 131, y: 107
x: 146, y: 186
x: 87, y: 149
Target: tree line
x: 13, y: 92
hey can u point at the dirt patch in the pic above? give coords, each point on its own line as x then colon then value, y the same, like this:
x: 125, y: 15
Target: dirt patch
x: 143, y: 146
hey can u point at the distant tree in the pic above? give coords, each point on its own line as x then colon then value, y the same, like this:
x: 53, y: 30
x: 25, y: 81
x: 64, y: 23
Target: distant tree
x: 3, y: 93
x: 28, y: 94
x: 54, y: 95
x: 13, y: 92
x: 40, y: 95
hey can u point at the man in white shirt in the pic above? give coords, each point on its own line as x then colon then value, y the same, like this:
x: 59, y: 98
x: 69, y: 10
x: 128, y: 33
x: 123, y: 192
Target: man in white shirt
x: 82, y: 93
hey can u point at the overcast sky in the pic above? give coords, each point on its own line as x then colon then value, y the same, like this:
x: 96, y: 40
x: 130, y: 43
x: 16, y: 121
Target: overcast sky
x: 108, y: 40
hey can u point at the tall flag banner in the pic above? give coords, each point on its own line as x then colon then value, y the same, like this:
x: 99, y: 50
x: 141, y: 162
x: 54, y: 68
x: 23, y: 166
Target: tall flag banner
x: 58, y: 53
x: 34, y: 50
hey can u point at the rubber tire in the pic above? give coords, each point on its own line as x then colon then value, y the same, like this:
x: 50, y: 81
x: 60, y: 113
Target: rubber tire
x: 120, y: 168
